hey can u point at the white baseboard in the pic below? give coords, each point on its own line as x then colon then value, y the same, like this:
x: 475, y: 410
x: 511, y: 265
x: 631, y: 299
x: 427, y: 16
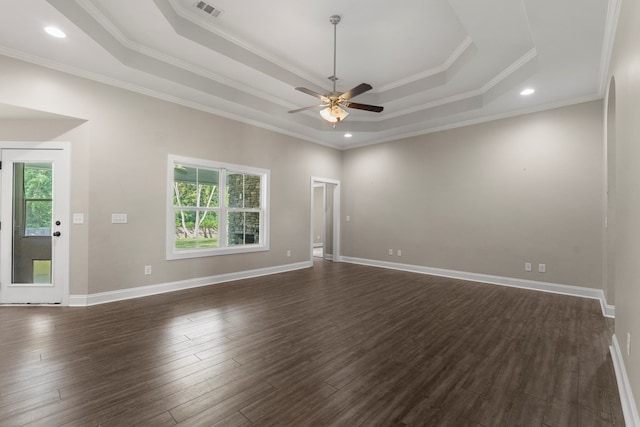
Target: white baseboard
x: 629, y: 408
x: 143, y: 291
x: 607, y: 309
x: 598, y: 294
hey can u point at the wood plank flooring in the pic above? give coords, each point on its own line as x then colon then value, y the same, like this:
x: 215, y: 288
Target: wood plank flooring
x: 339, y: 344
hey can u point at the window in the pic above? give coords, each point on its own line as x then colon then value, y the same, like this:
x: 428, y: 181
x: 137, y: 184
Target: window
x: 215, y: 208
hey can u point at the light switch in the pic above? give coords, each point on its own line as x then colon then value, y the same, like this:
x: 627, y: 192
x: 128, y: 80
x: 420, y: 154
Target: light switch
x: 119, y: 218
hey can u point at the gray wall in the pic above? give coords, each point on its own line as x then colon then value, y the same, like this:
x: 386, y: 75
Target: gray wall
x: 119, y: 157
x: 624, y: 174
x: 485, y: 198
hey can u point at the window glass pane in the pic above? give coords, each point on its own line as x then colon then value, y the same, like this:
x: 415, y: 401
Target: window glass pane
x: 207, y: 196
x: 243, y: 228
x: 252, y: 191
x: 37, y: 181
x: 37, y: 218
x: 252, y: 227
x: 208, y: 176
x: 235, y: 228
x: 41, y: 271
x: 208, y: 228
x: 185, y: 173
x: 235, y: 190
x: 196, y: 229
x: 184, y: 194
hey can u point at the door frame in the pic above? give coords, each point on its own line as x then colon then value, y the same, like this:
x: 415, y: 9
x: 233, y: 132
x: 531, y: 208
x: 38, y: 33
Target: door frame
x: 609, y: 194
x: 63, y: 241
x: 336, y: 216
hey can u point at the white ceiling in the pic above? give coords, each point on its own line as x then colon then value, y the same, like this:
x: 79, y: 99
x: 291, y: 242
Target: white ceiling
x: 434, y: 64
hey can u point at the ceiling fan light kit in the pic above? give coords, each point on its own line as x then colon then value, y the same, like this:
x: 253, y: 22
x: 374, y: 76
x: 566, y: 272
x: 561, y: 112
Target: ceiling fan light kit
x: 331, y: 109
x: 334, y: 114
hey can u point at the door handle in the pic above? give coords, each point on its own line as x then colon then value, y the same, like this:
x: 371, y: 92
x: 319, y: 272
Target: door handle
x: 56, y: 234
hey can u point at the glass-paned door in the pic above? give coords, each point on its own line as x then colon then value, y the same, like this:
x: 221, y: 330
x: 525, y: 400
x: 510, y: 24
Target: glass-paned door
x: 33, y: 228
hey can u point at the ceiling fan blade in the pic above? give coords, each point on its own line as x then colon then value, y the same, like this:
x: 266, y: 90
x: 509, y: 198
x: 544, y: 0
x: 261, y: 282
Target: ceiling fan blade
x: 366, y: 107
x: 312, y: 93
x: 311, y: 107
x: 360, y: 89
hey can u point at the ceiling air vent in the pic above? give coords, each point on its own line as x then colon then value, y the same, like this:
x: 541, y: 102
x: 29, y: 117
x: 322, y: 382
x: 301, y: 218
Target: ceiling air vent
x: 208, y: 9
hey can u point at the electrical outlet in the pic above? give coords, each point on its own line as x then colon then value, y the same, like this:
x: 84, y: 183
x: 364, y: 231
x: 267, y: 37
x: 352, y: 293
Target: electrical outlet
x: 348, y: 218
x: 390, y: 251
x: 78, y: 218
x: 288, y: 252
x: 542, y: 268
x: 628, y: 344
x: 147, y: 270
x: 399, y: 252
x: 527, y: 266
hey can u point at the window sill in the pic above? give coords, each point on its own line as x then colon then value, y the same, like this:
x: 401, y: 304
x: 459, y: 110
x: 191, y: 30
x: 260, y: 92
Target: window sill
x: 201, y: 253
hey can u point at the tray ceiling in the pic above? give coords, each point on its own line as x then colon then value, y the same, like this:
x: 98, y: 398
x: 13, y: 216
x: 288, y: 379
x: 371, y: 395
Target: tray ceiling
x: 434, y: 64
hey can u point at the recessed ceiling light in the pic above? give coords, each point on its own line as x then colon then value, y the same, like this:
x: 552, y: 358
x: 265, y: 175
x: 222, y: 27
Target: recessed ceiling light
x: 528, y: 91
x: 347, y: 135
x: 55, y: 32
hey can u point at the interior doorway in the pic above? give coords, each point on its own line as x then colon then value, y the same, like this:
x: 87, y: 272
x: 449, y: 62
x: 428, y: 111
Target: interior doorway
x: 325, y: 219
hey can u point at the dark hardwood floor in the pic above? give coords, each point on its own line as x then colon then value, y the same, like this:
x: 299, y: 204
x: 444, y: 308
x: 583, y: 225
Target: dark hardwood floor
x: 338, y: 344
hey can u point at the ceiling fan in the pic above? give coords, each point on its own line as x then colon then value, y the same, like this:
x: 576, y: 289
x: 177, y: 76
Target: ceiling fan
x: 333, y: 102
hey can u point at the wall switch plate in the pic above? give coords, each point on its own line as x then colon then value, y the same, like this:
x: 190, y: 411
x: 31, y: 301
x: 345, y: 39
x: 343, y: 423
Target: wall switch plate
x: 147, y: 270
x: 348, y: 218
x: 542, y: 268
x: 390, y: 251
x: 119, y: 218
x: 527, y: 266
x: 399, y: 252
x: 288, y: 252
x: 78, y: 218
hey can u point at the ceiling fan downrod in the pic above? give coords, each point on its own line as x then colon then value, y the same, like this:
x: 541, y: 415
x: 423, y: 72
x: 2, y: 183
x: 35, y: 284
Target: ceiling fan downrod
x: 335, y: 20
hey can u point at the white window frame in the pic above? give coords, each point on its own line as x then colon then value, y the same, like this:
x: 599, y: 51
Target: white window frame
x: 263, y: 245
